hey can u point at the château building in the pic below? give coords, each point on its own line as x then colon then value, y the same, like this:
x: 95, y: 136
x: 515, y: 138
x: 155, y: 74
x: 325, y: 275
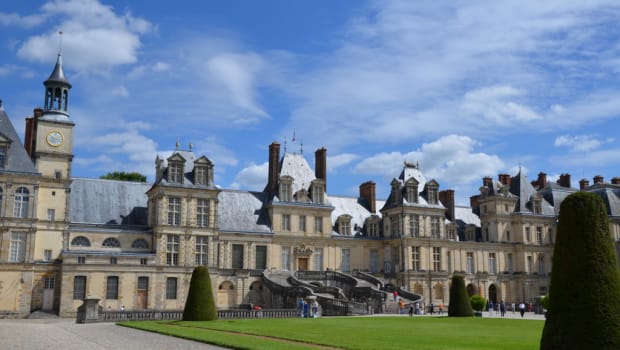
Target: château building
x: 63, y: 239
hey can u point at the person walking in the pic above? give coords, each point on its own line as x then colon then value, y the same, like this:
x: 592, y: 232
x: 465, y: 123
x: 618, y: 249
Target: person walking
x: 315, y: 308
x: 502, y: 308
x: 441, y: 308
x: 410, y: 310
x: 522, y: 309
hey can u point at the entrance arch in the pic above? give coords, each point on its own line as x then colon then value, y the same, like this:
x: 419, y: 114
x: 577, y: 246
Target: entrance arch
x: 226, y: 295
x: 493, y: 293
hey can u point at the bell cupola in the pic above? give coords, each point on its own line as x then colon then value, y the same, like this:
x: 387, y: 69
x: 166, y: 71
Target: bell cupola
x: 56, y: 94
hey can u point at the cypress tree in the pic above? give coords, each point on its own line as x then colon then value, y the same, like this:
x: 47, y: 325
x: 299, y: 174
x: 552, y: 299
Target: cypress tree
x: 584, y: 295
x: 200, y: 305
x: 459, y: 301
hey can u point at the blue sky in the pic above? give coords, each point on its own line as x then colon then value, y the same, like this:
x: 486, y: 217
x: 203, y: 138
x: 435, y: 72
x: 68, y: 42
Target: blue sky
x: 466, y: 88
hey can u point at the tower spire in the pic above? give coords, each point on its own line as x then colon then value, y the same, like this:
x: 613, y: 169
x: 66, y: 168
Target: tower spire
x: 57, y: 90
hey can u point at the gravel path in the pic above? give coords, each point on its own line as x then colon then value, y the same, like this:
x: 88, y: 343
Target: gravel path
x: 62, y: 333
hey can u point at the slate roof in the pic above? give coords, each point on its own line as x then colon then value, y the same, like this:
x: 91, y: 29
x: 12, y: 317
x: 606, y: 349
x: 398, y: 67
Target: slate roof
x: 17, y: 160
x: 296, y: 166
x: 610, y: 195
x: 466, y: 216
x: 555, y: 195
x: 412, y: 172
x: 58, y: 74
x: 351, y: 206
x: 521, y: 187
x: 242, y: 211
x: 99, y: 201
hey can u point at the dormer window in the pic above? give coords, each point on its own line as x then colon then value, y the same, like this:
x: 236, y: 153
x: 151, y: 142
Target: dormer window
x: 412, y: 191
x: 3, y: 155
x: 175, y: 172
x: 432, y: 195
x: 537, y: 205
x: 286, y: 185
x: 318, y: 191
x: 200, y: 175
x: 203, y: 171
x: 395, y: 192
x: 344, y: 225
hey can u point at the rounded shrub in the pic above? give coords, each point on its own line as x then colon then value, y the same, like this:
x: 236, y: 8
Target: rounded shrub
x: 477, y: 302
x: 200, y: 305
x: 584, y: 294
x: 459, y: 301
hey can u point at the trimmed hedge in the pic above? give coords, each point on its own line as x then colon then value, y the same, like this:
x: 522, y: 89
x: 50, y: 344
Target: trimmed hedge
x: 477, y: 302
x: 200, y: 305
x: 459, y: 301
x: 584, y: 295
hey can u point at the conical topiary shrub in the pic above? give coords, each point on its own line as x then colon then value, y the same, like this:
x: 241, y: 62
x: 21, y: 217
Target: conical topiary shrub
x: 584, y: 295
x: 200, y: 305
x: 459, y: 301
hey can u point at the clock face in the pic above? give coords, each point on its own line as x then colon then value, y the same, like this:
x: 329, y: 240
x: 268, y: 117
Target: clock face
x: 55, y: 138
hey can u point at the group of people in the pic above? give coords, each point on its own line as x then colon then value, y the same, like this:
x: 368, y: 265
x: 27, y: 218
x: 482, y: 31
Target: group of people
x: 501, y: 307
x: 416, y: 309
x: 306, y: 310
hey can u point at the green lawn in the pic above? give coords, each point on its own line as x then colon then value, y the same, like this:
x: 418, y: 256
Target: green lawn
x: 429, y: 333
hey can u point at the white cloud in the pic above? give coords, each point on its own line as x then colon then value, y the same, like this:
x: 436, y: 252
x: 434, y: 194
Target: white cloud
x: 120, y: 91
x: 14, y: 19
x: 495, y: 104
x: 252, y: 177
x: 91, y: 31
x: 449, y: 158
x: 580, y: 143
x: 340, y: 160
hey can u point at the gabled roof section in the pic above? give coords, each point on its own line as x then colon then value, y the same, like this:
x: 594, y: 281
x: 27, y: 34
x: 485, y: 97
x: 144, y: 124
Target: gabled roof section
x: 176, y: 157
x: 296, y: 166
x: 117, y: 202
x: 521, y: 187
x: 412, y: 171
x: 203, y: 161
x: 243, y: 212
x: 350, y: 206
x: 17, y: 160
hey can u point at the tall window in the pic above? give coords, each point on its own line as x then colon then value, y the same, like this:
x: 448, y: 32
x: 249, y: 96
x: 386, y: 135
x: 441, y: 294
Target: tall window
x: 509, y: 263
x: 435, y: 228
x: 202, y: 213
x: 414, y: 225
x: 432, y: 195
x: 174, y: 211
x: 373, y: 228
x: 79, y: 287
x: 3, y: 157
x: 175, y: 172
x: 346, y: 260
x: 172, y: 250
x: 18, y: 247
x: 47, y: 254
x: 51, y: 214
x: 374, y: 260
x: 112, y: 288
x: 469, y: 266
x: 394, y: 226
x: 436, y: 259
x: 285, y: 191
x: 317, y: 193
x: 20, y: 208
x: 508, y: 235
x: 451, y: 233
x: 237, y: 256
x: 286, y: 222
x: 286, y: 258
x: 529, y: 264
x: 171, y: 288
x: 415, y: 258
x: 261, y: 257
x: 538, y: 234
x: 345, y: 226
x: 200, y: 175
x: 527, y: 234
x: 318, y: 224
x: 541, y: 264
x: 412, y: 192
x: 492, y: 264
x: 202, y: 247
x: 302, y: 223
x: 318, y: 259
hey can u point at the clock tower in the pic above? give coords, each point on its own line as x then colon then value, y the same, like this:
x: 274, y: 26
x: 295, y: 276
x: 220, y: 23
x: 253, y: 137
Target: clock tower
x: 49, y: 133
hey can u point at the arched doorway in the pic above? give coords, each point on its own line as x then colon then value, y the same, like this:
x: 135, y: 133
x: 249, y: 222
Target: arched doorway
x: 226, y: 295
x: 255, y: 296
x: 471, y: 290
x: 493, y: 293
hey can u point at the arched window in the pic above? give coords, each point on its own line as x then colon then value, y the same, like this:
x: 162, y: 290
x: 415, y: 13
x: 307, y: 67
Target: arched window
x: 80, y: 241
x: 20, y: 209
x: 140, y: 244
x: 111, y: 242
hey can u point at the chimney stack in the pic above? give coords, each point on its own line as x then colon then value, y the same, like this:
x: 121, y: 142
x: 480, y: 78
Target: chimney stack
x: 504, y: 179
x: 598, y: 179
x: 564, y: 180
x: 447, y: 199
x: 542, y: 180
x: 274, y: 165
x: 487, y: 181
x: 320, y: 165
x: 368, y: 195
x: 583, y: 184
x: 473, y: 202
x: 615, y: 181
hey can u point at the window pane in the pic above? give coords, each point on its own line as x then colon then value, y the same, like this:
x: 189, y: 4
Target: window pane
x: 112, y: 288
x: 261, y: 257
x: 79, y: 287
x: 171, y: 288
x: 237, y: 256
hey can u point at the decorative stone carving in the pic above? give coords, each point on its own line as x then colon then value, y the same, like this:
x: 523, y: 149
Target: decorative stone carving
x: 302, y: 251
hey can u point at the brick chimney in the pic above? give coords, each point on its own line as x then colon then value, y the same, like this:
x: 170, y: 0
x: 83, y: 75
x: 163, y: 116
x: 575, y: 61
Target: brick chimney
x: 542, y: 180
x: 504, y: 179
x: 320, y: 165
x: 447, y: 199
x: 564, y: 180
x: 274, y: 167
x: 583, y: 184
x: 487, y: 181
x: 368, y: 195
x: 473, y: 201
x: 615, y: 181
x: 598, y: 179
x: 30, y: 134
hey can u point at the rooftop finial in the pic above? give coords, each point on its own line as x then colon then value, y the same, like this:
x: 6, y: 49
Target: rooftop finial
x: 284, y: 144
x: 301, y: 147
x: 177, y: 145
x: 191, y: 146
x: 60, y: 43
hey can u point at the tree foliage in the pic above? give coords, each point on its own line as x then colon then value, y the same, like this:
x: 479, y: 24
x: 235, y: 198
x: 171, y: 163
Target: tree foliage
x: 584, y: 295
x: 477, y: 302
x: 124, y: 176
x: 459, y: 301
x: 200, y: 305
